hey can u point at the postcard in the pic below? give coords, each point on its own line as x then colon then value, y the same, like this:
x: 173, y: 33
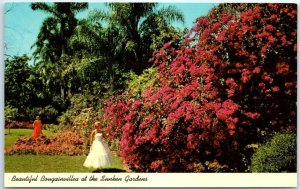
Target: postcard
x: 150, y: 94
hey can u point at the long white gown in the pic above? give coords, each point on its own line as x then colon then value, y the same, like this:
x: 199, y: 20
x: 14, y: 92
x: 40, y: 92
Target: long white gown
x: 100, y: 155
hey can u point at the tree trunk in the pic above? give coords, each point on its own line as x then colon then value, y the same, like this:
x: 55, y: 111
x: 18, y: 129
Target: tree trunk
x: 62, y: 92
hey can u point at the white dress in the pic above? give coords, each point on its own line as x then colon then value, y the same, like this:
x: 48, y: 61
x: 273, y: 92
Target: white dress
x: 100, y: 155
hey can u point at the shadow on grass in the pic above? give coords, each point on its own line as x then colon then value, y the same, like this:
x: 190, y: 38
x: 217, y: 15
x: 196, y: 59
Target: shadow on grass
x: 109, y: 170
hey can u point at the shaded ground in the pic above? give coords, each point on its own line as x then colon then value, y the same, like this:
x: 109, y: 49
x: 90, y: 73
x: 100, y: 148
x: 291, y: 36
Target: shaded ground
x: 109, y: 170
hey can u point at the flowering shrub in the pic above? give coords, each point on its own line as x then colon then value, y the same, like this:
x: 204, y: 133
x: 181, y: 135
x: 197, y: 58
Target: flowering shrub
x: 231, y: 83
x: 19, y: 124
x: 64, y: 143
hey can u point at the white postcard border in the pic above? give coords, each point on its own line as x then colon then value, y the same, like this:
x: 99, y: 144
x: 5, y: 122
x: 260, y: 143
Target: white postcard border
x: 150, y: 180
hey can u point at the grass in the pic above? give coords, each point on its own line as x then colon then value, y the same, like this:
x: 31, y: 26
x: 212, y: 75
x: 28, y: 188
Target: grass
x: 47, y: 163
x: 52, y: 164
x: 12, y: 135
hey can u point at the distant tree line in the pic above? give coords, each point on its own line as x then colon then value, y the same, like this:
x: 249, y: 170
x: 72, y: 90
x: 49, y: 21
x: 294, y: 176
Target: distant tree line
x: 89, y: 56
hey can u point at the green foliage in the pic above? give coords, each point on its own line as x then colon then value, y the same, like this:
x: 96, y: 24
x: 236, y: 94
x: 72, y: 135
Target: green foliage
x: 17, y: 73
x: 23, y: 89
x: 10, y: 113
x: 65, y: 118
x: 130, y: 29
x: 98, y: 75
x: 49, y: 113
x: 81, y: 115
x: 78, y: 102
x: 92, y: 57
x: 277, y: 155
x: 33, y: 112
x: 51, y: 128
x: 56, y: 30
x: 136, y: 84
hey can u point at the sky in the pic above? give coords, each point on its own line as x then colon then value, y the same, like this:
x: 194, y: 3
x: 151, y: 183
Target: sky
x: 21, y: 24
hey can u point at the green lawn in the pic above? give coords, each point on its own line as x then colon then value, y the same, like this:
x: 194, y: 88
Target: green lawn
x: 50, y: 164
x: 44, y: 163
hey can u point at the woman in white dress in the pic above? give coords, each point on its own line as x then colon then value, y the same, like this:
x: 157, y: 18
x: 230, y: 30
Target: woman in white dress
x: 100, y: 155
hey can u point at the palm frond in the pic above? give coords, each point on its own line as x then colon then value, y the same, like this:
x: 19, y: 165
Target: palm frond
x: 77, y: 7
x: 170, y: 14
x: 42, y: 6
x: 96, y: 15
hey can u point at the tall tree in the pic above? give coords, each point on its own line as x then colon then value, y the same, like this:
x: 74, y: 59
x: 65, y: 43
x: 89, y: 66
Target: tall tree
x: 128, y: 26
x: 56, y: 30
x: 53, y: 39
x: 123, y: 37
x: 96, y: 45
x: 18, y: 92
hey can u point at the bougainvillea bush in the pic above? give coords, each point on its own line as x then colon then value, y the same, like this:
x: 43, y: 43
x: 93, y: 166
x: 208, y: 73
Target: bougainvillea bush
x: 229, y: 84
x: 63, y: 143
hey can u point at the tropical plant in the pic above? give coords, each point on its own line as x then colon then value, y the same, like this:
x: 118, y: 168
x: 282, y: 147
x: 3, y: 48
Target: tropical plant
x: 129, y: 26
x: 52, y: 50
x: 56, y: 30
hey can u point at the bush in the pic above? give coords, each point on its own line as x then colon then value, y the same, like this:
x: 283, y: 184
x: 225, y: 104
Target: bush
x: 48, y: 113
x: 83, y: 124
x: 33, y: 112
x: 64, y: 143
x: 51, y: 127
x: 78, y: 103
x: 10, y: 113
x: 277, y: 155
x: 136, y: 84
x: 231, y: 83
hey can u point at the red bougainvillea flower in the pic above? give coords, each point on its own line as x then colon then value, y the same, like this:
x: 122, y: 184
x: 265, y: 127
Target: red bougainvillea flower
x: 230, y: 79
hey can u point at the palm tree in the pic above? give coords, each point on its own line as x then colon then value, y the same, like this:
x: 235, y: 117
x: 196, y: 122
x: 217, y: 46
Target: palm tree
x: 52, y: 43
x: 56, y: 30
x: 130, y: 25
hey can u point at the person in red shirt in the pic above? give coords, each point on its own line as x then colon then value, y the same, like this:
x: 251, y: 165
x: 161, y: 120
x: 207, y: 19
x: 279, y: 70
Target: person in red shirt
x: 37, y: 127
